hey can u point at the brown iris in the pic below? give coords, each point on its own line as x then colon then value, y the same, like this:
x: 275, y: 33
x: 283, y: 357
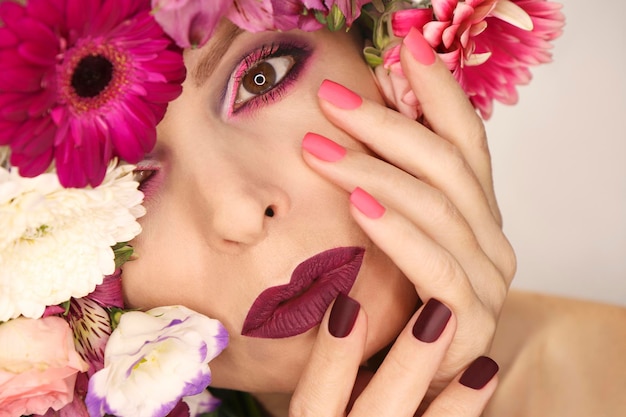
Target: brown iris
x: 260, y: 78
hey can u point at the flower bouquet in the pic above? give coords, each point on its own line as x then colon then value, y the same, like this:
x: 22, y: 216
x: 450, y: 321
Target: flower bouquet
x: 83, y: 84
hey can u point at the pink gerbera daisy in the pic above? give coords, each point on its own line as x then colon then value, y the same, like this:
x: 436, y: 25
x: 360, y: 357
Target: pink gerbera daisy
x: 82, y: 82
x: 488, y: 45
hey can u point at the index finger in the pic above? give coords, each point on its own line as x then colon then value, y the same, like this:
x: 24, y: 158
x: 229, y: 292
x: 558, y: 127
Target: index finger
x: 446, y: 107
x: 324, y: 388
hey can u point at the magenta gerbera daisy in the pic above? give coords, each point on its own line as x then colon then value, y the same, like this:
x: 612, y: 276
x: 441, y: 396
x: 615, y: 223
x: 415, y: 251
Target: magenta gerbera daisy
x: 82, y: 82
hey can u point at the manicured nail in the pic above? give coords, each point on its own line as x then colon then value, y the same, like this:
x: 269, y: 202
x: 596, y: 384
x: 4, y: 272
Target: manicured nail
x: 343, y: 316
x: 366, y: 203
x: 339, y: 95
x: 323, y: 148
x: 419, y: 47
x: 479, y: 373
x: 431, y: 321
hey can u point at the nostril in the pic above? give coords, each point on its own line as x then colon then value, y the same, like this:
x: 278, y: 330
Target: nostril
x: 269, y: 212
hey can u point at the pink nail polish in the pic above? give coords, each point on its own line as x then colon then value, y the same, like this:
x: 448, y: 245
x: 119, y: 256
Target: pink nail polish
x: 366, y: 203
x: 339, y: 95
x: 323, y: 148
x: 419, y: 47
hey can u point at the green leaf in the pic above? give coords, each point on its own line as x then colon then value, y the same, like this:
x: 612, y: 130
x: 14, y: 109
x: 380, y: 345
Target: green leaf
x: 115, y: 314
x: 372, y: 56
x: 123, y: 253
x: 235, y: 404
x: 335, y: 19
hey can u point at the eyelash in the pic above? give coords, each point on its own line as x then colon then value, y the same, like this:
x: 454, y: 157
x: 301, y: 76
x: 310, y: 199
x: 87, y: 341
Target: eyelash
x: 147, y: 173
x: 298, y: 52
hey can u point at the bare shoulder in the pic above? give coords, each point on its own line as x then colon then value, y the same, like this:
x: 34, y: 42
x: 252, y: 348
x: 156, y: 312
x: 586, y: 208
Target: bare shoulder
x: 560, y: 357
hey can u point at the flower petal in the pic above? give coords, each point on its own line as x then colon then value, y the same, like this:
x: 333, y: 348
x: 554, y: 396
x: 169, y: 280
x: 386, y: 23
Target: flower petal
x: 511, y: 13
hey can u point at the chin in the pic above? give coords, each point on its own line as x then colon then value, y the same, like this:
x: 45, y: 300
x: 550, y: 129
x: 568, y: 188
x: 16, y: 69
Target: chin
x: 260, y: 365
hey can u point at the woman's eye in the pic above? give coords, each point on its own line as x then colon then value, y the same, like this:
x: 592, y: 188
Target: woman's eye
x: 142, y: 176
x: 261, y: 78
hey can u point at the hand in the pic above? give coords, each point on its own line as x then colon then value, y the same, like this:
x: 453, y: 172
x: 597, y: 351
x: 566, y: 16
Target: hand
x: 435, y: 187
x: 397, y: 388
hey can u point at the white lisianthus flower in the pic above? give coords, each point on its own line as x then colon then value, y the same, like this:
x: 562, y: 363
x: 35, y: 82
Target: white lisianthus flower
x: 154, y: 359
x: 56, y: 242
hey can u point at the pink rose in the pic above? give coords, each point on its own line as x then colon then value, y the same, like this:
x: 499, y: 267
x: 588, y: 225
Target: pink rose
x: 38, y: 366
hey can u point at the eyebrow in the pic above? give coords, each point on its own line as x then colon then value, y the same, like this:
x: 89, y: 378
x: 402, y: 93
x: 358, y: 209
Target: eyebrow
x: 223, y: 38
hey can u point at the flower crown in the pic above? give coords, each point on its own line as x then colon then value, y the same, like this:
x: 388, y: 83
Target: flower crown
x: 82, y: 87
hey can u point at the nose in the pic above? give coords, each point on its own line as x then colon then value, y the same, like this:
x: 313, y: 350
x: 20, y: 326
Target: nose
x: 238, y: 206
x: 241, y: 215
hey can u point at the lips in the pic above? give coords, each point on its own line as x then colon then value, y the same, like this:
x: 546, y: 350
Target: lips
x: 291, y: 309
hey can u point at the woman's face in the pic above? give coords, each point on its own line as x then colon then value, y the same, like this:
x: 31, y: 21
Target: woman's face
x: 233, y: 209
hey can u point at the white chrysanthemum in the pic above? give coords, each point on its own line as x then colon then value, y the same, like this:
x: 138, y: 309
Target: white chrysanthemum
x: 56, y: 242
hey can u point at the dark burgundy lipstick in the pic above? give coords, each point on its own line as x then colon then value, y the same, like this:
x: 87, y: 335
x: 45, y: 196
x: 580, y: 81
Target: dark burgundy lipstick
x: 291, y: 309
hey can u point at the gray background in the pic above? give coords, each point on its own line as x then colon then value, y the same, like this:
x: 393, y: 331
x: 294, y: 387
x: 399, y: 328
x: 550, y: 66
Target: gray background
x: 560, y: 161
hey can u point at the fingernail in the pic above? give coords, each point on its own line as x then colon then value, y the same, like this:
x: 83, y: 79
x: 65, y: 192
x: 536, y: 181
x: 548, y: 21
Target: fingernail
x: 366, y: 203
x: 339, y: 95
x: 323, y: 148
x: 419, y: 47
x: 431, y: 321
x: 343, y: 316
x: 479, y: 373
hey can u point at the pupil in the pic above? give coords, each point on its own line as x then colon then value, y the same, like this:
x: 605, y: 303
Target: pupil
x: 92, y: 75
x: 260, y: 79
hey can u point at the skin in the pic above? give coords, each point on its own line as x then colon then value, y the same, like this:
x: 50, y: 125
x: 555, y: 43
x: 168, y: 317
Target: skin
x: 226, y: 245
x: 206, y: 231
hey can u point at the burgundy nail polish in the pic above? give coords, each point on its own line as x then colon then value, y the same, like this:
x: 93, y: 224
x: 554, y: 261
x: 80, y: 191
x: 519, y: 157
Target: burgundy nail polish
x: 479, y: 373
x: 431, y: 321
x: 343, y: 316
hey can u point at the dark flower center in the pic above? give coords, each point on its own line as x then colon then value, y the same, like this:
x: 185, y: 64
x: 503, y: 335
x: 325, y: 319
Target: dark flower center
x: 92, y: 75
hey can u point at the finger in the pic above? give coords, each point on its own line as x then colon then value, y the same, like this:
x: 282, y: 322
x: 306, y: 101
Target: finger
x: 425, y: 208
x: 433, y: 270
x: 420, y: 152
x: 447, y: 108
x: 435, y: 274
x: 405, y: 375
x: 325, y: 386
x: 468, y: 394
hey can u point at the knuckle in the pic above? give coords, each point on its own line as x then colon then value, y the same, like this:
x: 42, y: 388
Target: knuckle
x: 489, y: 325
x: 303, y: 407
x: 456, y: 160
x: 477, y: 136
x: 508, y: 262
x: 385, y: 117
x: 300, y: 408
x: 500, y: 290
x: 450, y: 408
x: 442, y: 268
x: 457, y: 164
x: 444, y: 210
